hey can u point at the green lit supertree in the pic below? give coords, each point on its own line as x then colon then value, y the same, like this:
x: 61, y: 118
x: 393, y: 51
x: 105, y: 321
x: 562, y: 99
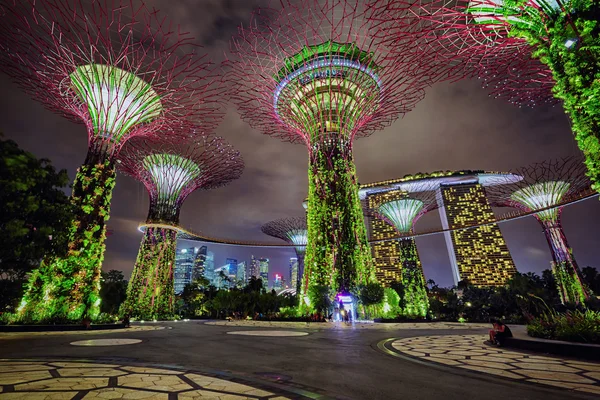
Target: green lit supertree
x: 292, y: 230
x: 525, y: 50
x: 170, y: 171
x: 310, y: 72
x: 123, y: 71
x: 547, y: 186
x: 402, y: 210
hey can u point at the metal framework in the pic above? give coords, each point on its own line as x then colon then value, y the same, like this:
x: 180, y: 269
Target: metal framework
x: 294, y: 231
x: 311, y: 72
x: 170, y: 171
x: 551, y: 184
x: 124, y: 71
x: 469, y: 40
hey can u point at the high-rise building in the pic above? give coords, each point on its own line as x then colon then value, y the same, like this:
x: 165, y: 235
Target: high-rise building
x: 479, y: 255
x: 209, y: 267
x: 293, y: 277
x: 277, y: 282
x: 189, y: 265
x: 254, y: 269
x: 263, y: 265
x: 232, y: 270
x: 241, y: 277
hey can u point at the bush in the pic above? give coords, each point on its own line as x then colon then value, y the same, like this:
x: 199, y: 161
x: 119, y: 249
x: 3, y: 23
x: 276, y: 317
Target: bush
x: 571, y: 326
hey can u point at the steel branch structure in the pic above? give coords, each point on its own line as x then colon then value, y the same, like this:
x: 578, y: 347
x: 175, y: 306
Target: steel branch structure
x: 122, y: 70
x: 311, y: 72
x: 551, y: 184
x: 170, y: 172
x: 294, y: 231
x: 402, y: 210
x: 524, y: 50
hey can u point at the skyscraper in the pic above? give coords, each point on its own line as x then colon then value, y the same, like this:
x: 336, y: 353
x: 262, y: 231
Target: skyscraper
x: 189, y: 265
x: 241, y: 277
x: 232, y: 270
x: 209, y: 267
x: 277, y: 282
x: 263, y: 264
x: 293, y: 277
x: 254, y: 269
x: 479, y: 255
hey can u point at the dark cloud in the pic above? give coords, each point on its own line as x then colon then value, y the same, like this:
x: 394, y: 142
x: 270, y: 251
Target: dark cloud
x: 455, y: 127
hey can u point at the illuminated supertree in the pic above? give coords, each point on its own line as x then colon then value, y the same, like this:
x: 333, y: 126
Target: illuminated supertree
x: 170, y: 172
x: 402, y: 211
x: 292, y: 230
x: 310, y: 72
x: 506, y: 42
x: 546, y: 186
x: 124, y: 71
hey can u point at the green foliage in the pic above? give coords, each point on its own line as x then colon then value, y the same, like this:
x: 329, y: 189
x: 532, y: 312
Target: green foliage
x: 320, y: 298
x: 391, y: 303
x: 414, y: 300
x: 150, y: 291
x: 113, y: 289
x: 36, y: 214
x: 66, y: 288
x: 572, y: 326
x: 591, y: 278
x: 568, y: 282
x: 338, y: 253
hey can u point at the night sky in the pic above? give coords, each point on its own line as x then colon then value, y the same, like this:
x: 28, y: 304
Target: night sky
x: 455, y: 127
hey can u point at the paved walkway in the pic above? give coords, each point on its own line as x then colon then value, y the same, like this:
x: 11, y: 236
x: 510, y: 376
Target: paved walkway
x: 133, y: 328
x: 469, y: 352
x: 54, y: 380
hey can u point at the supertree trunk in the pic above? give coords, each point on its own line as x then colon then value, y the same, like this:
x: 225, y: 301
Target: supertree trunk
x: 150, y: 291
x: 300, y: 255
x: 414, y: 299
x: 67, y: 288
x: 338, y: 253
x: 566, y: 272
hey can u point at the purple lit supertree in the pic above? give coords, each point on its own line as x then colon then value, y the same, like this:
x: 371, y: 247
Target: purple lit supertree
x: 402, y: 210
x: 294, y: 231
x: 170, y: 172
x: 546, y: 186
x: 311, y: 72
x: 526, y: 50
x: 124, y: 71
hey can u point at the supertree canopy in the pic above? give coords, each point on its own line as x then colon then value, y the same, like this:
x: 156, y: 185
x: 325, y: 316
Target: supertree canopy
x: 546, y: 187
x: 170, y: 172
x: 292, y: 230
x: 402, y: 210
x: 561, y: 35
x: 310, y: 72
x: 122, y: 70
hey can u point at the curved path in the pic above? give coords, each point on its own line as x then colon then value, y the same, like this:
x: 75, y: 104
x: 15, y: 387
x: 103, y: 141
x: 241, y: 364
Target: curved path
x: 330, y: 362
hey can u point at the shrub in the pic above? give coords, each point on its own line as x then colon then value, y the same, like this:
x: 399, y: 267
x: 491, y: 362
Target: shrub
x: 572, y: 326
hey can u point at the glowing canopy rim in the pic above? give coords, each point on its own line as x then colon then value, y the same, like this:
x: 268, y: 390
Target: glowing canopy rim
x: 116, y: 100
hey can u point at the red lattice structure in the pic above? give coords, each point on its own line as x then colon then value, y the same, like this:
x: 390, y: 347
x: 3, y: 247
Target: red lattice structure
x: 172, y: 170
x: 312, y: 72
x: 124, y: 71
x: 548, y: 186
x: 468, y: 44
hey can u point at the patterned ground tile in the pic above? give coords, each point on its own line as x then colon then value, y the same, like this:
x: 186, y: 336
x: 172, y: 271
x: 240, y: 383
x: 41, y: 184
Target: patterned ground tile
x: 62, y: 380
x: 468, y: 352
x: 120, y: 393
x: 64, y: 384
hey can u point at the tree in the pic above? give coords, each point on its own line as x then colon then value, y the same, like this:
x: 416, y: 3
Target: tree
x: 35, y: 210
x: 591, y: 278
x: 34, y: 219
x: 370, y: 295
x: 113, y: 291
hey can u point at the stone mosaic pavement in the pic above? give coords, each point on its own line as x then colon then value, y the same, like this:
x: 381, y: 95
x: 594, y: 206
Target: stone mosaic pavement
x: 470, y: 353
x: 58, y: 380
